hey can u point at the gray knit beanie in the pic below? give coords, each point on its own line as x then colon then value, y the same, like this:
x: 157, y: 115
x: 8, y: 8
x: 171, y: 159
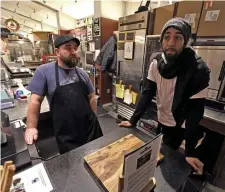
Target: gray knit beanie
x: 179, y: 24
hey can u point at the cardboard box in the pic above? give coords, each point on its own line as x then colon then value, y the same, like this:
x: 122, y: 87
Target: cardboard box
x: 40, y: 35
x: 162, y: 15
x: 191, y: 11
x: 212, y: 22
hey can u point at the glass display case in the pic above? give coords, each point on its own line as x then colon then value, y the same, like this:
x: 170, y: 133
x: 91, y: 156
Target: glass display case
x: 27, y: 50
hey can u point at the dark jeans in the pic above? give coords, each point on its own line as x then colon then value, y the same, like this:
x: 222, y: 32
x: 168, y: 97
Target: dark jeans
x: 207, y: 151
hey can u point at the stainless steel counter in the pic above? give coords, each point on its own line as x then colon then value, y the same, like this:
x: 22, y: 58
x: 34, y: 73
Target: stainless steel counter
x: 215, y: 116
x: 20, y: 110
x: 213, y: 120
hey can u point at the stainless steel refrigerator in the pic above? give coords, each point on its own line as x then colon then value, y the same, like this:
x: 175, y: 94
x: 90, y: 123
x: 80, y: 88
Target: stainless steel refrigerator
x: 132, y: 31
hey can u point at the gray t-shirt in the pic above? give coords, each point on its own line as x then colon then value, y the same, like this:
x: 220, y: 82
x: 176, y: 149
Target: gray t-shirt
x: 43, y: 82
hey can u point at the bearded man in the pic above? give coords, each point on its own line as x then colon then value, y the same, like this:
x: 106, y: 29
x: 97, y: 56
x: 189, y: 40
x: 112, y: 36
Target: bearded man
x: 70, y: 95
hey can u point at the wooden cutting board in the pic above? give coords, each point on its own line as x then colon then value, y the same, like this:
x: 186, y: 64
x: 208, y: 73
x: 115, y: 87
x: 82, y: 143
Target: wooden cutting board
x: 106, y: 164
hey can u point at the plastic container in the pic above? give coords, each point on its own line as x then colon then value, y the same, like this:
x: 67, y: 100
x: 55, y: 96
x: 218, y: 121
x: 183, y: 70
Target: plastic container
x: 22, y: 92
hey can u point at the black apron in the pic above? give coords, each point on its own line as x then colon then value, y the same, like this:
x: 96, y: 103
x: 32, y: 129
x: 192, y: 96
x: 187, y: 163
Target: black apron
x: 74, y: 121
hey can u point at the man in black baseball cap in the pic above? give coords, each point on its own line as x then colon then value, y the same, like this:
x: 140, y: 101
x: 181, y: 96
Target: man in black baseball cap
x: 64, y: 39
x: 70, y: 95
x: 63, y: 42
x: 180, y: 78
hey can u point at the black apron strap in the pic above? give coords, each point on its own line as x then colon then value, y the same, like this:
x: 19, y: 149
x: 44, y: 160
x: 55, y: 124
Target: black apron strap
x: 78, y: 75
x: 57, y: 74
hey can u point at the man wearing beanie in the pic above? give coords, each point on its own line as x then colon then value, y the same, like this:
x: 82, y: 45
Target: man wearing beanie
x: 70, y: 95
x: 179, y: 78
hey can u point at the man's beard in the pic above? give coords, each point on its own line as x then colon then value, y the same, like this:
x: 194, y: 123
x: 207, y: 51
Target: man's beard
x: 69, y: 61
x: 171, y: 57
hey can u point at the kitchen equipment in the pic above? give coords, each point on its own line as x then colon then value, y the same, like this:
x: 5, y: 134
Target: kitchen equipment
x: 152, y: 49
x: 4, y: 123
x: 15, y: 148
x: 3, y: 138
x: 49, y: 58
x: 132, y: 28
x: 16, y: 72
x: 4, y: 75
x: 89, y: 59
x: 148, y: 121
x: 6, y: 100
x: 212, y: 52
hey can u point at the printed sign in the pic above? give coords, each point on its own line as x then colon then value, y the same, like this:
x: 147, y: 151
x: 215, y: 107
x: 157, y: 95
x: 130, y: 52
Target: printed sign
x: 128, y: 50
x: 89, y: 33
x: 89, y: 21
x: 212, y: 15
x: 81, y: 22
x: 34, y: 179
x: 140, y: 165
x: 190, y: 18
x: 96, y: 27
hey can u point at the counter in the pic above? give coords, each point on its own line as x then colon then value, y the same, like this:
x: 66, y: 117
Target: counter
x: 20, y: 109
x: 68, y: 172
x: 212, y: 120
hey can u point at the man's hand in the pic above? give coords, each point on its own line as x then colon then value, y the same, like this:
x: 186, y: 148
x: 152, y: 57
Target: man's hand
x: 31, y: 135
x: 125, y: 124
x: 196, y: 164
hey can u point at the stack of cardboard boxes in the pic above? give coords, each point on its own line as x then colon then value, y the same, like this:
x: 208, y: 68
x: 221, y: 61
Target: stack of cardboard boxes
x: 206, y: 17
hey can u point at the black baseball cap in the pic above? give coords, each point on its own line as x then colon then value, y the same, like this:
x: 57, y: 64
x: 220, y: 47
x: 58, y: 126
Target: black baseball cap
x: 64, y: 39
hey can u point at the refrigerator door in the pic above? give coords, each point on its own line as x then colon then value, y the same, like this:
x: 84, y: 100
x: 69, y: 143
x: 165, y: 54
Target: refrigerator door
x: 130, y: 71
x: 214, y: 56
